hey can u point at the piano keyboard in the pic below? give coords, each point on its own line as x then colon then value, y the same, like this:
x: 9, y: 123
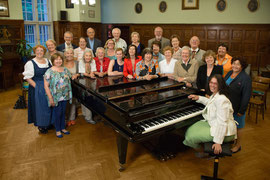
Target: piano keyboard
x: 169, y: 119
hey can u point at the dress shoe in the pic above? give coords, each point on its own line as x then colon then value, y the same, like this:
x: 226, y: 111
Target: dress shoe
x: 65, y: 132
x: 43, y: 130
x: 91, y: 121
x: 69, y: 123
x: 59, y: 135
x: 239, y: 149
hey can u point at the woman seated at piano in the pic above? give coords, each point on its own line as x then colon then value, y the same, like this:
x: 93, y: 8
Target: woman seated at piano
x: 102, y: 62
x: 167, y: 65
x: 186, y: 69
x: 218, y: 125
x: 131, y: 61
x: 116, y: 66
x: 148, y: 68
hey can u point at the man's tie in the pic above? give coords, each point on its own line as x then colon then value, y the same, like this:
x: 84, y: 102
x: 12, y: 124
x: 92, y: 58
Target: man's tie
x: 193, y: 54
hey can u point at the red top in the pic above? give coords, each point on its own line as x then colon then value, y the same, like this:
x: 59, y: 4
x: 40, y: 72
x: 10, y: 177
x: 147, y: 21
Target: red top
x: 128, y: 66
x: 106, y: 62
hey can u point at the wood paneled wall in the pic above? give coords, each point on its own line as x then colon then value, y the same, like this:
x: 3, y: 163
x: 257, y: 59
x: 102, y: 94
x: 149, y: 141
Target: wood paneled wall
x: 11, y: 63
x: 77, y: 28
x: 249, y: 40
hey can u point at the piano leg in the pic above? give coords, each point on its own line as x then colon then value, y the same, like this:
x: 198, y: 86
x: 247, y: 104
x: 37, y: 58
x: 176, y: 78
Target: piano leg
x: 122, y: 151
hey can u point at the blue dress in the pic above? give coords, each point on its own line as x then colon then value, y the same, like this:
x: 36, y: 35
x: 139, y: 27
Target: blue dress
x: 38, y: 111
x: 117, y: 67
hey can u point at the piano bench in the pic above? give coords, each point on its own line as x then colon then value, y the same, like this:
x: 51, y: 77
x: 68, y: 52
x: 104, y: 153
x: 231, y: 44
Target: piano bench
x: 226, y: 151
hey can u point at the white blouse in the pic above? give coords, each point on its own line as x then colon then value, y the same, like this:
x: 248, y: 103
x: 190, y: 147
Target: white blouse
x: 82, y: 66
x: 78, y: 53
x: 166, y: 68
x: 29, y: 68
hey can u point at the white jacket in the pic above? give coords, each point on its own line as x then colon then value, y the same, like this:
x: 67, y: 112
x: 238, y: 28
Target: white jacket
x: 218, y: 112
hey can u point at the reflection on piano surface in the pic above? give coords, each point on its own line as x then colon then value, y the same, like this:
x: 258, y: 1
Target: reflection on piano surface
x: 138, y: 110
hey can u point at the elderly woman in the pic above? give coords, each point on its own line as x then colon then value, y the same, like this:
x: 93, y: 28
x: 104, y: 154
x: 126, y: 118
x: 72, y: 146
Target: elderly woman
x: 135, y: 40
x: 131, y: 61
x: 78, y: 52
x: 239, y: 93
x: 218, y: 125
x: 72, y: 65
x: 147, y: 69
x: 175, y: 42
x: 116, y: 66
x: 87, y: 67
x: 51, y: 46
x: 156, y: 46
x: 207, y: 70
x: 38, y: 111
x: 102, y: 62
x: 186, y: 69
x: 110, y: 49
x: 223, y: 59
x: 167, y: 65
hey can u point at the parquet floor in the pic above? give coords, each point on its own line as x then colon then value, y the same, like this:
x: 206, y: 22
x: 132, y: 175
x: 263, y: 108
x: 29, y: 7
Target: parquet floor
x: 90, y: 152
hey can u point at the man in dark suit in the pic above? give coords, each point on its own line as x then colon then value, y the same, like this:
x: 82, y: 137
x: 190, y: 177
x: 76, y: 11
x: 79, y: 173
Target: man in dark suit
x: 68, y: 37
x: 92, y: 42
x: 158, y: 37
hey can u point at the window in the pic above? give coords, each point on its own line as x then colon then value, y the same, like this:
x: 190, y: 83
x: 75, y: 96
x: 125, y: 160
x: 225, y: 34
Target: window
x: 37, y: 21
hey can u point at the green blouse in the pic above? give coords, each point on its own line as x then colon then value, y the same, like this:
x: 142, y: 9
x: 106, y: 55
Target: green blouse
x: 59, y: 84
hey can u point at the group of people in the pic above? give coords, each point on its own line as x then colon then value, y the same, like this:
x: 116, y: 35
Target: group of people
x: 218, y: 74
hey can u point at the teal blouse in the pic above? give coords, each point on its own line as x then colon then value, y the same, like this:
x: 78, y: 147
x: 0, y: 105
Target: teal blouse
x: 59, y: 84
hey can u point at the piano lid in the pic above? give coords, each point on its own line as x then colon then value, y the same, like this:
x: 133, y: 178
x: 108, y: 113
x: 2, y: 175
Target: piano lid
x: 113, y: 88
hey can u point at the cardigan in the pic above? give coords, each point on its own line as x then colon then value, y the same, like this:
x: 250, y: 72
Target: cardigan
x: 239, y: 91
x: 218, y: 112
x: 190, y: 75
x: 202, y: 75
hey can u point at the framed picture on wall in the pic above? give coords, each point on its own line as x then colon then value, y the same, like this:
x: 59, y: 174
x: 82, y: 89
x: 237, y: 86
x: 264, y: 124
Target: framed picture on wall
x: 69, y: 4
x: 91, y: 13
x: 162, y: 6
x: 221, y: 5
x: 253, y: 5
x: 190, y: 4
x: 138, y: 8
x: 4, y: 9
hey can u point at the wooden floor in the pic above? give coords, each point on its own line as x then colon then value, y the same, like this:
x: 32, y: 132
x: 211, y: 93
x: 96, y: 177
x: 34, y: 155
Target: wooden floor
x: 90, y: 152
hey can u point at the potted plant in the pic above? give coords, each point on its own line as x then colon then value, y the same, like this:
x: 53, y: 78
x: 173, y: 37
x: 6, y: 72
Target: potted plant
x: 24, y: 50
x: 1, y: 52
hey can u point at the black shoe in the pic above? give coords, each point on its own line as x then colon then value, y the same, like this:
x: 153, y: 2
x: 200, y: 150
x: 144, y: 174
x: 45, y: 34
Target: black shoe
x: 43, y: 130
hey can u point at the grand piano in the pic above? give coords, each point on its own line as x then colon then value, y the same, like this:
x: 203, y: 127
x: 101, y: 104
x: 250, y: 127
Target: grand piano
x: 138, y: 110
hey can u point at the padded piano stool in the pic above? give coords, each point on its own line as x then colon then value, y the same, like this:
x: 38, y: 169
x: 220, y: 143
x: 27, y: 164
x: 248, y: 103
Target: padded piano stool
x: 226, y: 151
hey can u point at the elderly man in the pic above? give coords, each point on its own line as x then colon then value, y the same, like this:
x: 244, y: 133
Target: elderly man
x: 158, y: 37
x: 68, y: 37
x: 197, y: 53
x: 119, y: 42
x: 92, y: 42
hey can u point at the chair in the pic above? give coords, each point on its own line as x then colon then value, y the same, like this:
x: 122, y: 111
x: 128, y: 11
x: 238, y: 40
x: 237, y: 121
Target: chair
x: 263, y: 80
x: 24, y: 87
x: 226, y: 151
x: 258, y: 99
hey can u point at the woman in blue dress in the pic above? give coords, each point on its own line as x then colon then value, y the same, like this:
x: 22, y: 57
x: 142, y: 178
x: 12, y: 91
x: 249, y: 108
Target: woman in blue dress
x: 239, y: 84
x: 38, y: 111
x: 116, y: 66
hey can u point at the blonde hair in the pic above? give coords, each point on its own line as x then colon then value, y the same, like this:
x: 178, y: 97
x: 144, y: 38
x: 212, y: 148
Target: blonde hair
x: 51, y: 40
x: 106, y: 44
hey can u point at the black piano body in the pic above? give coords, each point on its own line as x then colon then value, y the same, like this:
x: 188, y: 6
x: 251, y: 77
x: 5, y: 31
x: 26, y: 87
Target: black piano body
x: 138, y: 110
